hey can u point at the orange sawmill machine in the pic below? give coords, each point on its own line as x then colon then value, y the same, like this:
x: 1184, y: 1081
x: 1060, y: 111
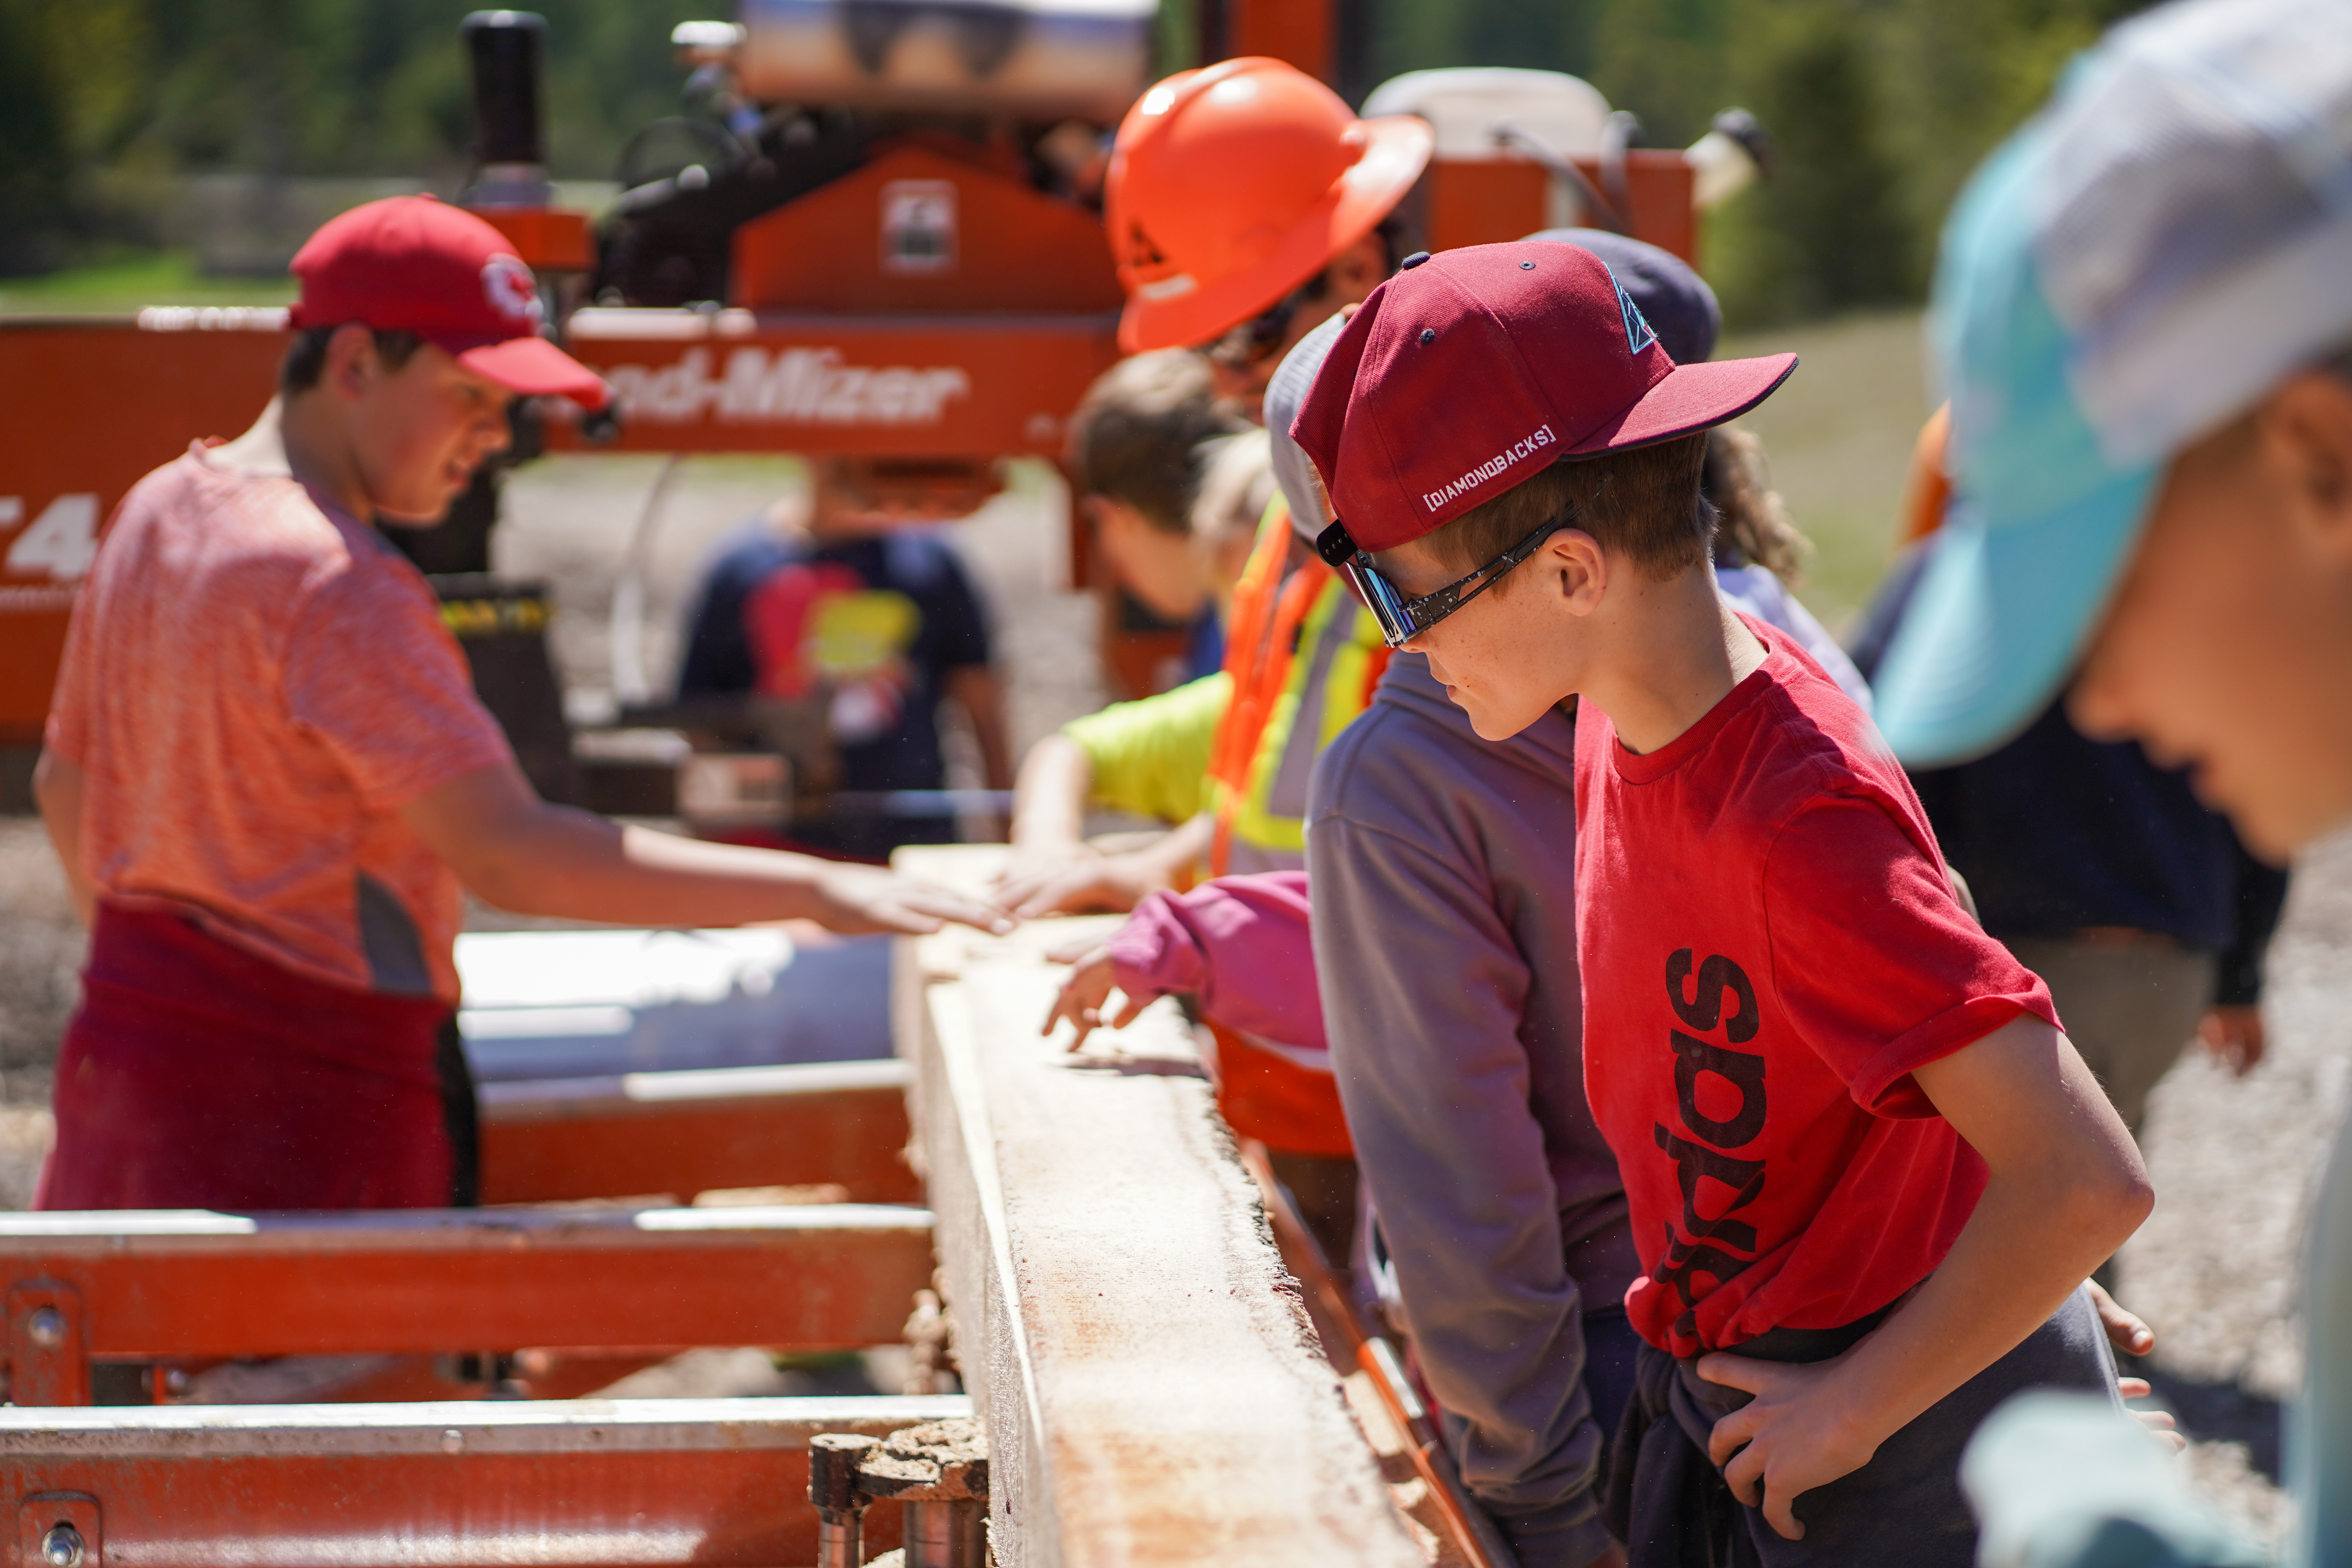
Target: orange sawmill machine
x: 874, y: 231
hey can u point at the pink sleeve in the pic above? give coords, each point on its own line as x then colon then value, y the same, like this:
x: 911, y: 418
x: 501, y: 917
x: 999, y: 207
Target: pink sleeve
x: 1874, y: 959
x: 1240, y: 944
x: 372, y: 671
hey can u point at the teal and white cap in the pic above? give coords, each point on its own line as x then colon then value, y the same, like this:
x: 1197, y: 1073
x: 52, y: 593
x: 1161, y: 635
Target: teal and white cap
x: 2167, y: 240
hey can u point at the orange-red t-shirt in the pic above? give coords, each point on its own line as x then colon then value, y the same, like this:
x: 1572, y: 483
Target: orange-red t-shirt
x: 254, y: 682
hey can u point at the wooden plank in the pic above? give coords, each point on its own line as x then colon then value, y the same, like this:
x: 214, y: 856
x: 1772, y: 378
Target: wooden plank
x: 420, y: 1486
x: 1152, y: 1389
x: 636, y: 1134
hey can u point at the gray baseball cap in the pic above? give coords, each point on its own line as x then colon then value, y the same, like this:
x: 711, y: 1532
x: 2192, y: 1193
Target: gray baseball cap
x: 1302, y: 486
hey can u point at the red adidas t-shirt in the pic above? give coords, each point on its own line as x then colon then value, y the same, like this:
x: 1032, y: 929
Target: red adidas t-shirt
x: 1769, y: 948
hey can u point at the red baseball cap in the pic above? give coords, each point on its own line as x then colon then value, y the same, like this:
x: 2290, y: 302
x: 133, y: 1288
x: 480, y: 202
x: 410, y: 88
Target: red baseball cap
x: 413, y: 264
x: 1474, y: 368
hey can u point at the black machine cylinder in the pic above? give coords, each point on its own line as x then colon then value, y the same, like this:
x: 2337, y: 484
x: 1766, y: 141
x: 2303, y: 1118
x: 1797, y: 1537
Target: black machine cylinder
x: 507, y: 48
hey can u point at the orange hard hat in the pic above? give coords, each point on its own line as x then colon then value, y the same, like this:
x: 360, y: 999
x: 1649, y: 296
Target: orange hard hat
x: 1232, y: 185
x: 1928, y: 491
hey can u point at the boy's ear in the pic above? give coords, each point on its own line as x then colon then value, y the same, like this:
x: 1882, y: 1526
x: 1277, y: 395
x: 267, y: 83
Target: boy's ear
x: 351, y: 360
x: 1577, y: 569
x: 2305, y: 428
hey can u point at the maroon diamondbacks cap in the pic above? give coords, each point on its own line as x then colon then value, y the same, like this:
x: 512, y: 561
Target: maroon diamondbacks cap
x: 416, y: 265
x: 1463, y: 375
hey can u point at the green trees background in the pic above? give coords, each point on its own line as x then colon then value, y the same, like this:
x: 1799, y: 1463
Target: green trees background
x: 1880, y: 107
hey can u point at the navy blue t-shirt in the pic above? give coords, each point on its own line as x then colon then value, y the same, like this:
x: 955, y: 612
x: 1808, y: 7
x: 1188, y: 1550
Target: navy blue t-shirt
x: 879, y: 621
x: 2058, y: 833
x: 1204, y: 645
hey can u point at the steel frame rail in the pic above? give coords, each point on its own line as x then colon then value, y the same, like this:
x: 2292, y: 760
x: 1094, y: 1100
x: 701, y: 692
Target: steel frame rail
x: 714, y: 1481
x: 193, y: 1284
x: 681, y: 1133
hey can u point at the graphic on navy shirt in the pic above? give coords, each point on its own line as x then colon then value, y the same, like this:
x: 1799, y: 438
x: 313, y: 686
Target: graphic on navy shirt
x: 877, y: 621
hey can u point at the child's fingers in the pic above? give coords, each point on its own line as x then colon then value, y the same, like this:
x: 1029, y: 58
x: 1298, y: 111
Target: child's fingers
x: 1076, y: 952
x: 2133, y: 1387
x: 1732, y: 1433
x: 1068, y: 1003
x: 1743, y: 1471
x: 1780, y: 1513
x: 2157, y: 1424
x: 1744, y: 1373
x: 1131, y: 1008
x: 2126, y: 1330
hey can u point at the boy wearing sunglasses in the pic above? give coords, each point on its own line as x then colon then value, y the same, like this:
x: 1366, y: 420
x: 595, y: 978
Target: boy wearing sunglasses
x: 1860, y: 1155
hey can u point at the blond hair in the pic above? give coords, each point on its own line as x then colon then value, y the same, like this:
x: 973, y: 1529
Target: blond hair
x: 1755, y: 528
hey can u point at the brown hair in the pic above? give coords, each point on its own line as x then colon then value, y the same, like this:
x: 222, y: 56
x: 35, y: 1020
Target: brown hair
x: 306, y: 356
x: 1754, y: 529
x: 1644, y: 503
x: 1136, y: 434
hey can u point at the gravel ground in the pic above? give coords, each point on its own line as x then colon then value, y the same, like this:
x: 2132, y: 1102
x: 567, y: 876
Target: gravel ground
x: 2235, y: 1162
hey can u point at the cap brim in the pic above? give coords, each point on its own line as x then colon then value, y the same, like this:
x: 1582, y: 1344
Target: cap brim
x: 533, y: 367
x: 1690, y: 398
x: 1999, y: 620
x: 1294, y: 471
x: 1396, y: 149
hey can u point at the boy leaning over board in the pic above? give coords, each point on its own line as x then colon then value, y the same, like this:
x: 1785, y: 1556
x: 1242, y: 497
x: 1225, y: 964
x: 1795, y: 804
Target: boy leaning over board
x: 1867, y: 1173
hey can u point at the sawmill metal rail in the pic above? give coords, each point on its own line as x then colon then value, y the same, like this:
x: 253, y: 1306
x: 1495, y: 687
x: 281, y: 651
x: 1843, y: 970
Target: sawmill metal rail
x: 193, y: 1284
x: 711, y: 1481
x: 681, y: 1133
x: 1152, y: 1389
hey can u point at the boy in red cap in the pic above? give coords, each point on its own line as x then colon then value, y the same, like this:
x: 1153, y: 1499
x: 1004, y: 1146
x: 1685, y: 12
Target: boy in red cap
x: 1860, y: 1155
x: 267, y: 776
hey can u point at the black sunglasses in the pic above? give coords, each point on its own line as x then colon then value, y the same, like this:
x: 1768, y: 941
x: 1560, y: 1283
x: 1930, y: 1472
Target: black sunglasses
x: 1402, y: 619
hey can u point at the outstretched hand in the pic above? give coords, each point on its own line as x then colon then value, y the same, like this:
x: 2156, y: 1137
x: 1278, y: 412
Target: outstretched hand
x: 1797, y: 1434
x: 1107, y: 884
x: 857, y: 900
x: 1083, y: 994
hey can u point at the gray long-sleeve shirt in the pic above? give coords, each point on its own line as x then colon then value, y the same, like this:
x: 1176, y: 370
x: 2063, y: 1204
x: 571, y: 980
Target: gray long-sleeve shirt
x: 1442, y: 867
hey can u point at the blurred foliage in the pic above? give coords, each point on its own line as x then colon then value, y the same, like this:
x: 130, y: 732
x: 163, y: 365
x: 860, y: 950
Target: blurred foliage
x: 1880, y: 107
x: 103, y: 102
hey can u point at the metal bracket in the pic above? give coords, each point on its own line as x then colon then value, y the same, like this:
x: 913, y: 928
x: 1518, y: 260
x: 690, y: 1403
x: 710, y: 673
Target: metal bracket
x: 46, y: 1332
x: 60, y: 1529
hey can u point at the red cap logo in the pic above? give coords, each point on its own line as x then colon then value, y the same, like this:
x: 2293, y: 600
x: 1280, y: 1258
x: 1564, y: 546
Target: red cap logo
x: 511, y: 290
